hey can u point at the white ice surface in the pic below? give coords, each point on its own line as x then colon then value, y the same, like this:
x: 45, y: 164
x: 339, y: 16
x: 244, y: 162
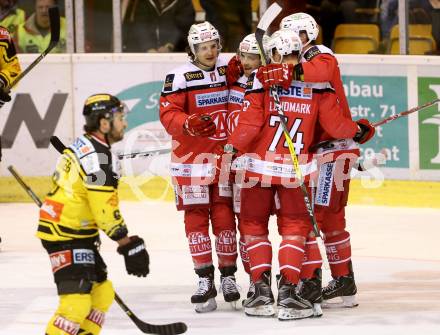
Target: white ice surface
x: 396, y: 256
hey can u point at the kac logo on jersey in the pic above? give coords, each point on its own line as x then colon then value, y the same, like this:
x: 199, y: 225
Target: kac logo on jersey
x: 211, y: 99
x: 232, y: 120
x: 296, y: 92
x: 219, y: 118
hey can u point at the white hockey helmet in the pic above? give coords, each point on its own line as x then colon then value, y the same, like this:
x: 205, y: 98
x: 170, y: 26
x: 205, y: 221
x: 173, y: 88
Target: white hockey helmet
x: 286, y: 42
x: 301, y: 21
x: 202, y: 32
x: 249, y: 44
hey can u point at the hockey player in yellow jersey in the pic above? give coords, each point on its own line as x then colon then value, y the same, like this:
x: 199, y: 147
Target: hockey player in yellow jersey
x: 84, y: 200
x: 9, y: 65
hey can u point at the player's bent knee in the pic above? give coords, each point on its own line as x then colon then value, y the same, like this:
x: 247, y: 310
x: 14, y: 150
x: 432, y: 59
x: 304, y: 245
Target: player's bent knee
x: 74, y: 307
x: 103, y: 295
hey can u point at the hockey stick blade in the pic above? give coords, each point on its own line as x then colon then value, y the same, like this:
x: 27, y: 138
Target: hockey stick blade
x: 266, y: 19
x: 148, y: 328
x: 54, y: 18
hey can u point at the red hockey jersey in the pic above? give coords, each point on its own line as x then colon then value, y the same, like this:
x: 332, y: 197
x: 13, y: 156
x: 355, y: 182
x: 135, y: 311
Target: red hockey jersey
x: 320, y: 65
x: 235, y: 101
x: 189, y: 90
x: 259, y: 133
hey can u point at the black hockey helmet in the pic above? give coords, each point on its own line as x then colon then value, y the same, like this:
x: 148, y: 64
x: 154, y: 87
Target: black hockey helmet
x: 101, y: 106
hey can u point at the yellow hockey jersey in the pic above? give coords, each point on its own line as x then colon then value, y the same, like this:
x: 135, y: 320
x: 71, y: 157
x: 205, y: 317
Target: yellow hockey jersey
x: 84, y: 197
x: 9, y: 65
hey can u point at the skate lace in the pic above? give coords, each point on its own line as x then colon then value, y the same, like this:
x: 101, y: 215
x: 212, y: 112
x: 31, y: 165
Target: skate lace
x: 331, y: 285
x: 229, y: 285
x: 204, y: 285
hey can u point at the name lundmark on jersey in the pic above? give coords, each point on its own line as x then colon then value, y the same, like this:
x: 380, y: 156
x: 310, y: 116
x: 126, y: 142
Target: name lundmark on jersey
x: 294, y: 107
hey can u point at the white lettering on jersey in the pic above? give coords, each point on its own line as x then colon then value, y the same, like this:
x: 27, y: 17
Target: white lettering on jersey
x: 211, y: 98
x: 236, y: 97
x: 294, y: 107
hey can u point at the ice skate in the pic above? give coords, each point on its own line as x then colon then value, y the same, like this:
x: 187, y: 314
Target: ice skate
x: 204, y: 297
x: 340, y: 293
x: 261, y: 301
x: 229, y: 287
x: 311, y: 290
x: 290, y: 305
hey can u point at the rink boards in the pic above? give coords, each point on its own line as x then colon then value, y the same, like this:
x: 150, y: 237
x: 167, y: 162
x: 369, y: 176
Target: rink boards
x: 49, y: 102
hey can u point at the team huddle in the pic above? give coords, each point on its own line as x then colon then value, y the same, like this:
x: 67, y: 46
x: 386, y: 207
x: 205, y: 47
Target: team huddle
x: 231, y: 161
x: 238, y: 129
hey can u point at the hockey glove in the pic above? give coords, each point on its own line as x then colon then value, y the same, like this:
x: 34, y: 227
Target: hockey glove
x: 4, y: 98
x: 136, y: 257
x: 366, y: 131
x: 199, y: 125
x: 234, y: 70
x: 276, y: 75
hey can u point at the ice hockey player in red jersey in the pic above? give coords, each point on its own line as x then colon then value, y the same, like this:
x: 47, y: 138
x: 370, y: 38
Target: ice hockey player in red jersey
x: 240, y: 68
x: 269, y: 169
x: 318, y: 64
x: 193, y: 110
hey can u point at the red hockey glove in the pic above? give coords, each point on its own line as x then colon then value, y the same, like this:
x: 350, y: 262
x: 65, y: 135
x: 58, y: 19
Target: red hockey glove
x: 234, y: 70
x: 366, y: 131
x: 275, y: 75
x: 199, y: 125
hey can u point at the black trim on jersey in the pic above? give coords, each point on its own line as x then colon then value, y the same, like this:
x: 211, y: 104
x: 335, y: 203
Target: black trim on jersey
x: 241, y: 85
x: 99, y: 190
x: 258, y: 90
x: 312, y: 52
x: 194, y: 88
x: 323, y: 90
x: 44, y: 229
x: 61, y: 229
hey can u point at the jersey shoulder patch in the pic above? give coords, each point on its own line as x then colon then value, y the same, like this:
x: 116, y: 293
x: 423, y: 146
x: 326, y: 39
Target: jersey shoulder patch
x: 175, y: 80
x: 86, y: 154
x: 253, y: 84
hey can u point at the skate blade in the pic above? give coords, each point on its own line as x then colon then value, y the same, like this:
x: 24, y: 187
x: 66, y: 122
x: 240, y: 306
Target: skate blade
x: 265, y: 311
x: 205, y: 307
x: 317, y: 310
x: 348, y: 301
x: 285, y: 314
x: 235, y: 305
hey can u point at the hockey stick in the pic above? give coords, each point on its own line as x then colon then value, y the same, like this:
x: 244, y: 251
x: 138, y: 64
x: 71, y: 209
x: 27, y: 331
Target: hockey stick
x: 59, y: 146
x: 147, y: 328
x: 409, y: 111
x: 266, y: 19
x: 328, y: 145
x: 54, y: 18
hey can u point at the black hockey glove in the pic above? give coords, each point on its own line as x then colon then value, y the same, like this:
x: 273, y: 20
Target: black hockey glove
x: 4, y: 98
x: 136, y: 257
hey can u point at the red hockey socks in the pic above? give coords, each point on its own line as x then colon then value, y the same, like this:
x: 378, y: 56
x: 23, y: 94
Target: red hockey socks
x: 312, y: 258
x: 338, y: 249
x: 226, y: 248
x: 244, y: 255
x: 200, y: 248
x: 260, y: 257
x: 290, y: 257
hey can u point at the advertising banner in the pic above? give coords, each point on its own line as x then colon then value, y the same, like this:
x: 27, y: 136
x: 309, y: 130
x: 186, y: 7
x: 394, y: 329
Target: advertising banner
x: 429, y: 124
x: 375, y: 98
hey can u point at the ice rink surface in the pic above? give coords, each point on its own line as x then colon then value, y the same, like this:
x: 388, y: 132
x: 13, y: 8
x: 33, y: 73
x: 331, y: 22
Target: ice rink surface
x: 396, y: 257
